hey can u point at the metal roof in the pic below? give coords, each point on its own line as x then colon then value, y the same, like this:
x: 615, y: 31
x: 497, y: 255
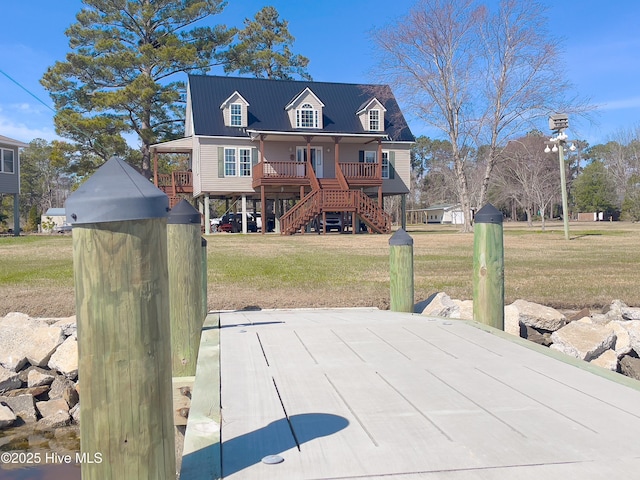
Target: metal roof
x: 268, y: 98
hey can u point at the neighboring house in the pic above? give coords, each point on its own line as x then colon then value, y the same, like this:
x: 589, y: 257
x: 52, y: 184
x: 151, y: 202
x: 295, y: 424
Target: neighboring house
x: 53, y: 220
x: 10, y: 174
x: 330, y: 147
x: 445, y: 214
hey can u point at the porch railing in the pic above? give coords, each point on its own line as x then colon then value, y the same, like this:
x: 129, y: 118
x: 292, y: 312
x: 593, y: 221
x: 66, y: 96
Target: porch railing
x: 360, y: 171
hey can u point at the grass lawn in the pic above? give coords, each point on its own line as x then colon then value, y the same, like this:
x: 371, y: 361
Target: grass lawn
x: 597, y: 265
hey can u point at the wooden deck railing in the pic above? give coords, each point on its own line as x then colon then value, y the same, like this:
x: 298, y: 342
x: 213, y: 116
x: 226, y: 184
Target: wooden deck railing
x: 176, y: 182
x: 360, y: 171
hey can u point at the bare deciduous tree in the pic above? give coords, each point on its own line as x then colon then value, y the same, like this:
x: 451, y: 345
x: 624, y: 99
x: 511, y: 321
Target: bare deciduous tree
x: 528, y: 176
x: 477, y: 76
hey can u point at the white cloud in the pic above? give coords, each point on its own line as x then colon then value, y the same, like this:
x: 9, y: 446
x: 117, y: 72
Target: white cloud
x: 25, y: 133
x: 623, y: 103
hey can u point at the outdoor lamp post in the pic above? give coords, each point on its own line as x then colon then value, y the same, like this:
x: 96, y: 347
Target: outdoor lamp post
x: 558, y: 124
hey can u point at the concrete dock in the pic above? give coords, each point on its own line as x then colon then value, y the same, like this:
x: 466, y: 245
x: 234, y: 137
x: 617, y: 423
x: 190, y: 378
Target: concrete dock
x: 370, y: 394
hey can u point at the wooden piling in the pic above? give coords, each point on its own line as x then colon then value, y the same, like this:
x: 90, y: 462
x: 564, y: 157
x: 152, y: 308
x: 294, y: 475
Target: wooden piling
x: 488, y: 268
x: 401, y: 272
x: 184, y: 246
x: 120, y: 274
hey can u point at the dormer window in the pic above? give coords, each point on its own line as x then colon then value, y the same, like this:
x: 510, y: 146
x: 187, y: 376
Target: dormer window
x: 371, y: 114
x: 307, y: 116
x: 374, y: 120
x: 236, y: 114
x: 234, y: 110
x: 305, y: 110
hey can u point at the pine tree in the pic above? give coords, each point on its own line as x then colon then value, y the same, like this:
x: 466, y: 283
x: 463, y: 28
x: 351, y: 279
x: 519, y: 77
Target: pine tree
x: 264, y: 49
x: 118, y: 77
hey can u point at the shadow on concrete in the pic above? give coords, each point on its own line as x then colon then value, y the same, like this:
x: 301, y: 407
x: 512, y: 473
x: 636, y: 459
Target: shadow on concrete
x: 249, y: 449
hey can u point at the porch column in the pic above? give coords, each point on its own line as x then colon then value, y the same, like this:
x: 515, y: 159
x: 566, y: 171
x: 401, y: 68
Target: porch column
x: 263, y: 210
x: 277, y: 212
x: 207, y: 215
x: 155, y: 168
x: 403, y: 210
x: 379, y: 173
x: 16, y: 215
x: 244, y: 213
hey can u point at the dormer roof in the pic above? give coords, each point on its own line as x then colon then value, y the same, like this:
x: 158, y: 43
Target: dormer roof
x: 233, y: 98
x: 301, y: 97
x: 370, y: 104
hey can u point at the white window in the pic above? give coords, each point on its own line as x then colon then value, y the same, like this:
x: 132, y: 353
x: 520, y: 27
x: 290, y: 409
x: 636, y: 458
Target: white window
x: 374, y: 120
x: 385, y: 164
x: 230, y: 162
x: 7, y: 164
x: 307, y: 116
x: 236, y: 115
x: 244, y: 158
x: 237, y: 162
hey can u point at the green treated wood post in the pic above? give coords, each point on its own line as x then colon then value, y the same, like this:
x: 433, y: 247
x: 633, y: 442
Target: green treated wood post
x: 488, y: 267
x: 205, y: 307
x: 184, y: 247
x: 401, y: 271
x: 120, y: 273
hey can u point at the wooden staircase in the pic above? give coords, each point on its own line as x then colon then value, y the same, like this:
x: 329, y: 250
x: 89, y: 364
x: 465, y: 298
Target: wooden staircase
x: 335, y: 200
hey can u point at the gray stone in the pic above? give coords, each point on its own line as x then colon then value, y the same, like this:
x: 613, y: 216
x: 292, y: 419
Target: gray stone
x: 511, y: 320
x: 51, y: 407
x: 464, y: 310
x: 56, y: 420
x: 65, y: 358
x: 441, y: 305
x: 631, y: 313
x: 68, y: 325
x: 15, y: 331
x: 9, y: 380
x: 23, y: 406
x: 38, y: 377
x: 615, y: 309
x: 7, y: 417
x: 75, y: 413
x: 541, y: 338
x: 608, y: 359
x: 539, y: 316
x: 582, y: 340
x: 60, y: 388
x: 42, y: 343
x: 630, y: 366
x: 34, y: 391
x: 623, y: 339
x: 633, y: 328
x: 585, y: 312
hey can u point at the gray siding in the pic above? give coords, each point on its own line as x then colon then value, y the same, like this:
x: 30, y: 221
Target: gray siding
x: 10, y: 182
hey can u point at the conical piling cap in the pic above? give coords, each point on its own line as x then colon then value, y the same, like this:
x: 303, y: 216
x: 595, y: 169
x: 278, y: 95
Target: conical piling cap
x: 115, y: 192
x: 400, y: 238
x: 488, y: 214
x: 183, y: 213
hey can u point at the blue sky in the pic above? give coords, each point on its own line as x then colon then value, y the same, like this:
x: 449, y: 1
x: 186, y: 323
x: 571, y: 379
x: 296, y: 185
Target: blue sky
x: 601, y: 53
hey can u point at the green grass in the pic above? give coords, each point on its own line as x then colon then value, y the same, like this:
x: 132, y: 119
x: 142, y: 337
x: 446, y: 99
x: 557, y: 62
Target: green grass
x: 597, y: 265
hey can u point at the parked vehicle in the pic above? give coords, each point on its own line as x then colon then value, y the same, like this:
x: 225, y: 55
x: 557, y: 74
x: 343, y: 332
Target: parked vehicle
x: 334, y: 222
x: 232, y: 222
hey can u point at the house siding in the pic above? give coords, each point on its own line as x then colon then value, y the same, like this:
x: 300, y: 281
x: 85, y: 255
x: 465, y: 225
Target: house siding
x: 208, y: 171
x: 10, y: 182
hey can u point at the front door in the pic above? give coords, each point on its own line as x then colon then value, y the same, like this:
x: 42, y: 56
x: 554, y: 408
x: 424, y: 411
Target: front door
x: 316, y: 159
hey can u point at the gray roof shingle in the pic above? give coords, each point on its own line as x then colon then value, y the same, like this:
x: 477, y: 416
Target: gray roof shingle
x: 268, y: 98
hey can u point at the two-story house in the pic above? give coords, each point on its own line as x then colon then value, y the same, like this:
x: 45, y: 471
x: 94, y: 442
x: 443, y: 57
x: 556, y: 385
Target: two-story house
x: 305, y: 148
x: 10, y: 174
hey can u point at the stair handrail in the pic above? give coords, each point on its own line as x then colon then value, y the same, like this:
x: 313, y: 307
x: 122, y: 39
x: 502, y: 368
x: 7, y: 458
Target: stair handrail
x: 296, y: 217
